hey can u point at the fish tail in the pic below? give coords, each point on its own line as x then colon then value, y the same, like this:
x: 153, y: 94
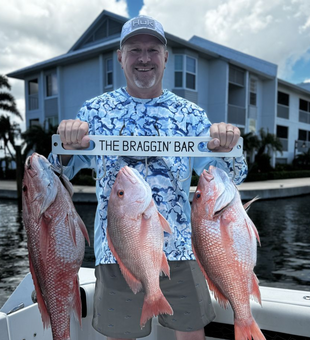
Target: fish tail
x: 248, y: 330
x: 153, y: 307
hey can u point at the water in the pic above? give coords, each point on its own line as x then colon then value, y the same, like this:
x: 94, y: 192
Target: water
x: 283, y: 258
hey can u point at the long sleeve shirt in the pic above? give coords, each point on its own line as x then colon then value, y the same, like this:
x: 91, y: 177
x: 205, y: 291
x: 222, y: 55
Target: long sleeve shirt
x: 118, y: 113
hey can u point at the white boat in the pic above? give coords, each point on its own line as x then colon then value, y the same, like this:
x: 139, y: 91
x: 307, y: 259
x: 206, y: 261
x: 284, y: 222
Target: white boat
x: 285, y: 314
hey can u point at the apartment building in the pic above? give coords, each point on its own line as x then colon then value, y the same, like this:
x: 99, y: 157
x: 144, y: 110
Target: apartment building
x: 231, y: 86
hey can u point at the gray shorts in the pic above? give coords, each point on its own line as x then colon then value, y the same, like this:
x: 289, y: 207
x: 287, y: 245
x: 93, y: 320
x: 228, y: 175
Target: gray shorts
x: 117, y: 310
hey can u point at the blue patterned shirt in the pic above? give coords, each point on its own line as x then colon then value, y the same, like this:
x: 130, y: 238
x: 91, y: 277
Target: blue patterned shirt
x: 116, y: 113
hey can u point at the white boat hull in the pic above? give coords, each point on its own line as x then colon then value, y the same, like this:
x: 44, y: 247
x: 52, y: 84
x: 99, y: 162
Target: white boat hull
x: 283, y: 311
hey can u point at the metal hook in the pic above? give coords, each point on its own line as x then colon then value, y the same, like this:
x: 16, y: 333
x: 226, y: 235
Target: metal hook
x: 104, y: 171
x: 61, y: 166
x: 190, y: 172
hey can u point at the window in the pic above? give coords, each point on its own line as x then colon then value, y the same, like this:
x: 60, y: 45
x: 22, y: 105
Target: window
x: 52, y: 121
x: 304, y: 109
x: 178, y: 74
x: 34, y: 122
x: 236, y: 76
x: 253, y: 91
x: 303, y: 105
x: 283, y: 98
x: 190, y: 73
x: 282, y: 134
x: 185, y: 71
x: 304, y: 135
x: 51, y: 85
x: 33, y: 91
x: 109, y: 72
x: 283, y: 105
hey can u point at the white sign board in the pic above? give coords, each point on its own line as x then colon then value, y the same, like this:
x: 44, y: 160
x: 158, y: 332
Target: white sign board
x: 147, y: 146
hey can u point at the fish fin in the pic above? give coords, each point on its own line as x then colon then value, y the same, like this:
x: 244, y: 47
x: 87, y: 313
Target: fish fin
x: 44, y: 237
x: 49, y: 199
x: 67, y: 184
x: 255, y: 289
x: 153, y: 307
x: 251, y: 227
x: 224, y: 200
x: 83, y: 228
x: 71, y: 224
x: 246, y: 330
x: 165, y: 266
x: 77, y: 305
x: 221, y: 299
x: 41, y: 303
x: 134, y: 284
x: 164, y: 223
x: 247, y: 205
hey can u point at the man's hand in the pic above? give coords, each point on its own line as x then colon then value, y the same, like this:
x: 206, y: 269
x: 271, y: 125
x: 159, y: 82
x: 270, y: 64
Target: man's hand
x: 224, y: 137
x: 73, y: 134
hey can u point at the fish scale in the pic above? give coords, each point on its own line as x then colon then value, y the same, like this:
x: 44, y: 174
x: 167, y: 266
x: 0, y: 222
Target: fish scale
x: 135, y: 234
x: 56, y: 243
x: 224, y: 242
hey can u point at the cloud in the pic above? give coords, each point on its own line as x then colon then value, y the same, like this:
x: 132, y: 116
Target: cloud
x: 274, y: 30
x: 36, y: 30
x: 277, y: 31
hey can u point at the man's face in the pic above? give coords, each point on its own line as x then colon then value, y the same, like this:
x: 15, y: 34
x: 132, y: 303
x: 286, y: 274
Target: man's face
x: 143, y: 58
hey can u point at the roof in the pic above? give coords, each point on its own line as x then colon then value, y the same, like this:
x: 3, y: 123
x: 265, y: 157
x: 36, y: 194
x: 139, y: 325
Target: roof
x: 237, y: 58
x: 104, y: 34
x: 299, y: 88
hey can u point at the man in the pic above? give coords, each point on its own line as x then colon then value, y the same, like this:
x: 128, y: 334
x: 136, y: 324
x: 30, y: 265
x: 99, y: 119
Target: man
x: 144, y: 108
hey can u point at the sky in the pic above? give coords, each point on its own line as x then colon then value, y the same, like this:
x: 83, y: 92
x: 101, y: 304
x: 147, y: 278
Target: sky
x: 277, y: 31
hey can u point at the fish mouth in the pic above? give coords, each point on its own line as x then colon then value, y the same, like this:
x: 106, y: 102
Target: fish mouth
x: 126, y: 171
x: 208, y: 174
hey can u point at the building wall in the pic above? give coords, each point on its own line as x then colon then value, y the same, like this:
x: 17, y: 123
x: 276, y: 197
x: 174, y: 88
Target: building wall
x: 80, y: 82
x: 217, y: 90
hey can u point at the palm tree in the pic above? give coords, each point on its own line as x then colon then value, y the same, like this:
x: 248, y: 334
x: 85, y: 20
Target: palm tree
x: 8, y: 132
x: 38, y: 139
x: 7, y: 101
x: 268, y: 142
x: 251, y: 143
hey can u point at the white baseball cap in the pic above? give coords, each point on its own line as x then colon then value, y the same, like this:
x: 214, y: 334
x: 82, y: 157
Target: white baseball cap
x: 142, y: 25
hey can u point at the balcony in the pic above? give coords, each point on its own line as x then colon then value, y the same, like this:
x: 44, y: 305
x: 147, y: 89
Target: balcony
x: 33, y: 102
x: 236, y: 115
x: 283, y: 111
x: 304, y: 117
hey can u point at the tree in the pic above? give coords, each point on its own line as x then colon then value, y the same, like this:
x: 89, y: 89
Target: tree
x: 7, y: 101
x: 268, y: 142
x: 8, y: 132
x: 251, y: 143
x: 37, y: 139
x: 259, y: 149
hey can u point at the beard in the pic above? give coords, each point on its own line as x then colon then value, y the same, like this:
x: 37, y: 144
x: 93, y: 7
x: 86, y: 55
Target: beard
x: 144, y: 82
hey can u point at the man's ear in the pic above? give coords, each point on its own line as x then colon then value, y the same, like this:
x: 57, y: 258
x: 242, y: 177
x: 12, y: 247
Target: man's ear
x: 166, y: 56
x: 119, y: 56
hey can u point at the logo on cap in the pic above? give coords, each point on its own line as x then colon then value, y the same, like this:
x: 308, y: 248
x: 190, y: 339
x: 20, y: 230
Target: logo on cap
x: 142, y: 22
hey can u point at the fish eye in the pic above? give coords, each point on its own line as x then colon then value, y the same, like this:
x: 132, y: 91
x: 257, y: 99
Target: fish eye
x: 120, y: 193
x: 198, y: 194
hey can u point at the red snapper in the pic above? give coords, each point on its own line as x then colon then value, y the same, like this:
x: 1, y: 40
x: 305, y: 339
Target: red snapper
x: 56, y: 243
x: 135, y: 234
x: 224, y: 242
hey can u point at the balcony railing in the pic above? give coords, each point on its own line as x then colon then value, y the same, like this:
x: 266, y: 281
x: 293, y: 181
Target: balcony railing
x: 33, y: 102
x: 304, y: 117
x: 283, y: 111
x: 284, y: 142
x: 236, y: 114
